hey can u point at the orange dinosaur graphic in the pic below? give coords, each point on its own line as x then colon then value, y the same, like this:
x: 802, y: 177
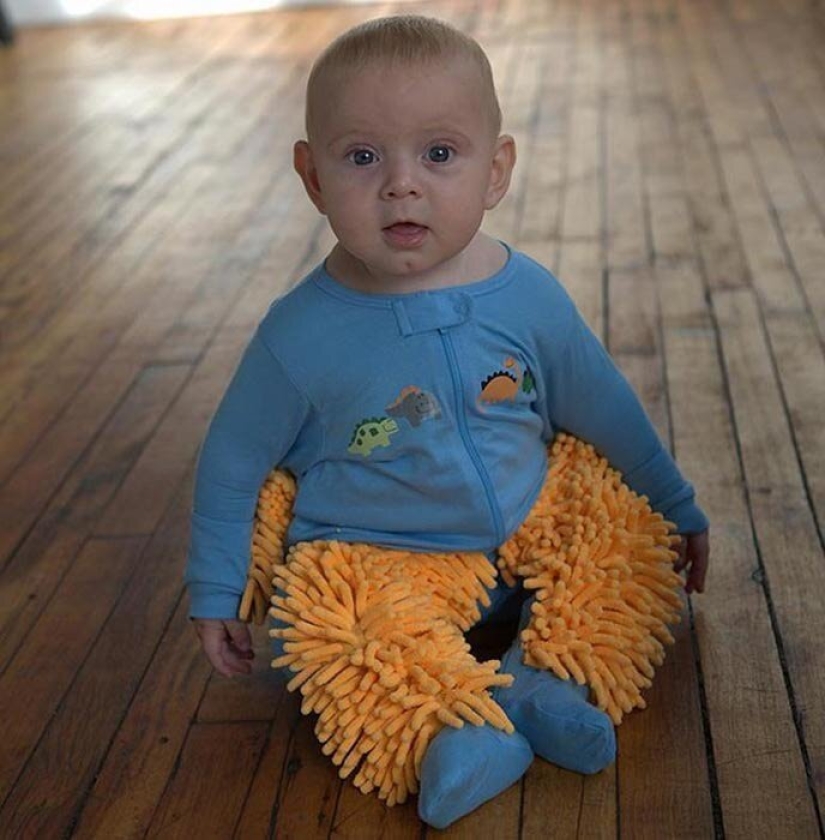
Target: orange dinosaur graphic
x: 502, y: 386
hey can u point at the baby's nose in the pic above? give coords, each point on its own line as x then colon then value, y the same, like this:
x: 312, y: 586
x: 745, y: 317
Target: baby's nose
x: 400, y: 182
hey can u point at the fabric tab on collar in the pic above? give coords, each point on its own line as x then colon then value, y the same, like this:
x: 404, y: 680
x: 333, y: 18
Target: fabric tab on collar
x: 425, y: 313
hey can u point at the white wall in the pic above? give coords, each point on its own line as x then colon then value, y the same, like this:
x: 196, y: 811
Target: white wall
x: 22, y: 12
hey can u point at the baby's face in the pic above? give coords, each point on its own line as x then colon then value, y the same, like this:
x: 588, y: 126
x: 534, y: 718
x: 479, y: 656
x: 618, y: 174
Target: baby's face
x: 402, y: 162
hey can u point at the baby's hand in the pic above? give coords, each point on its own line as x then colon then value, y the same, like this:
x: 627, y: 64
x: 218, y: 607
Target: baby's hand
x: 694, y: 555
x: 227, y: 645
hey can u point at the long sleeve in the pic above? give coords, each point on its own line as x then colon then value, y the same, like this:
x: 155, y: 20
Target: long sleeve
x: 590, y: 398
x: 253, y: 428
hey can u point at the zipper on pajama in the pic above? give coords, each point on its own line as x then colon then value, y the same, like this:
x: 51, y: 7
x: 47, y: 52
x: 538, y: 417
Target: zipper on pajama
x: 464, y: 431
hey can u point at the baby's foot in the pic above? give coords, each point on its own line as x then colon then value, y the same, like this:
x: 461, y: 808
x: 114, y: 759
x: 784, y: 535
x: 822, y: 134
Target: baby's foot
x: 554, y: 715
x: 463, y: 768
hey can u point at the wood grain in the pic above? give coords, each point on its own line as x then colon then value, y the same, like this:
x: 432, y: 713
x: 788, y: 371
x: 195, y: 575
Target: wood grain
x: 750, y: 721
x: 208, y: 790
x: 144, y: 751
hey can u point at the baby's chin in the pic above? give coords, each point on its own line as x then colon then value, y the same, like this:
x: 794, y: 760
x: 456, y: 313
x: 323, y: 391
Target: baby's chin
x: 406, y: 269
x: 418, y: 268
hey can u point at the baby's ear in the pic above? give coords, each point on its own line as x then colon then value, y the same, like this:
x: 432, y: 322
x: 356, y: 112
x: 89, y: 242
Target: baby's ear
x: 501, y: 169
x: 304, y: 165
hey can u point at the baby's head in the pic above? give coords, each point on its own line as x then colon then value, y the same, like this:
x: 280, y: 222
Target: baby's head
x: 403, y: 152
x: 405, y: 42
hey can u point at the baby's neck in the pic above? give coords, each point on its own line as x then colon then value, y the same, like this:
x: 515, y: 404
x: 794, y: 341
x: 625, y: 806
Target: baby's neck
x: 482, y: 258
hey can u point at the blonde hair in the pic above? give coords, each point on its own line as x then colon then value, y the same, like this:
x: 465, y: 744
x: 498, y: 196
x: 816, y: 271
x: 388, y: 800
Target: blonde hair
x: 405, y: 40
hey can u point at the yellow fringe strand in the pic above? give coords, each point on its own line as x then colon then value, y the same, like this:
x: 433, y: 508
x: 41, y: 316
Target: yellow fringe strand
x: 375, y: 636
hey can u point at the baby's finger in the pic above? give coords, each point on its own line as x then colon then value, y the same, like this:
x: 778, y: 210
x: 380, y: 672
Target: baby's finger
x: 234, y: 663
x: 696, y: 577
x: 213, y: 647
x: 241, y: 640
x: 699, y: 559
x: 681, y: 550
x: 219, y: 650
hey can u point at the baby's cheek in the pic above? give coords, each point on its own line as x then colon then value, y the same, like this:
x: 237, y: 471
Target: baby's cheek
x: 350, y: 207
x: 347, y: 223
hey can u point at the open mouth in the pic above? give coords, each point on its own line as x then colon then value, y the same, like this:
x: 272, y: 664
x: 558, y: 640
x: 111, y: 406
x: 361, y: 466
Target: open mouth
x: 405, y: 234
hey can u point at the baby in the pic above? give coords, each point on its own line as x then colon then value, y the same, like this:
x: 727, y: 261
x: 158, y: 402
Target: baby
x: 412, y: 381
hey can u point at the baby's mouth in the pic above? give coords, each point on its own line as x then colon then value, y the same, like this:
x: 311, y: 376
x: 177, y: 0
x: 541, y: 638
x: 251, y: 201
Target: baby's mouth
x: 405, y: 234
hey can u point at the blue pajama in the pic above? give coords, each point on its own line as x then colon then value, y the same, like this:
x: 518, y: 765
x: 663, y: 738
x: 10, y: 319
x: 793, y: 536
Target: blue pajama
x: 421, y: 421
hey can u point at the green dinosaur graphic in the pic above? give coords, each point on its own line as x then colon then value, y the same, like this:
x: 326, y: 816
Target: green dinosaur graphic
x: 370, y: 434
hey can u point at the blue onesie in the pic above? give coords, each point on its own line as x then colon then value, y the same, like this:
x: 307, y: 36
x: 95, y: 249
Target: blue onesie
x: 413, y: 421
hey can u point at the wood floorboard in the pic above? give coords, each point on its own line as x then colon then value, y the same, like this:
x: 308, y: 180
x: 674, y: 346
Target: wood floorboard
x: 671, y: 171
x: 208, y: 802
x: 136, y: 769
x: 36, y: 569
x: 748, y: 710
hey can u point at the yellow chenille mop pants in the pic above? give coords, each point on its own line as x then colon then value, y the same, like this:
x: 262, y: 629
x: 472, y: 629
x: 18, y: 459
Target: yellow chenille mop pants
x: 375, y: 636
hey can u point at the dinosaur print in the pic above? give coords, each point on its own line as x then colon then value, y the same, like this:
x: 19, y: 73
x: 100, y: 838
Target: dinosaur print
x: 415, y: 405
x: 529, y: 383
x: 502, y: 386
x: 370, y: 434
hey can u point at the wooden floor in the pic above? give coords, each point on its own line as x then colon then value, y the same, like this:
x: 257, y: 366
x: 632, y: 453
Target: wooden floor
x: 671, y: 169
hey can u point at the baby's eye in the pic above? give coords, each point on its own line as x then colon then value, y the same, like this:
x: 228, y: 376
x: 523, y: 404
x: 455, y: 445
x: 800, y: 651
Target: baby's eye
x: 439, y: 154
x: 362, y: 157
